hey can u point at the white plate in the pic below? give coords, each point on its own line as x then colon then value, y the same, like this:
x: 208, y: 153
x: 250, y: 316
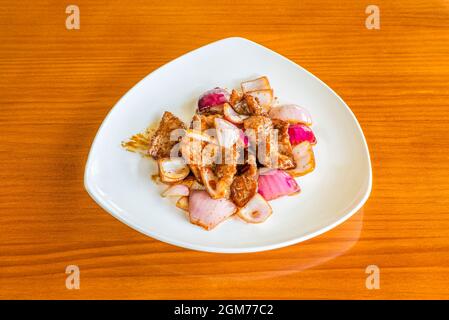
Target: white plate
x: 119, y: 181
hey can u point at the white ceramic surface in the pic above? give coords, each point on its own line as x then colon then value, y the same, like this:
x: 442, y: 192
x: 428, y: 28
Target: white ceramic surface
x: 119, y: 181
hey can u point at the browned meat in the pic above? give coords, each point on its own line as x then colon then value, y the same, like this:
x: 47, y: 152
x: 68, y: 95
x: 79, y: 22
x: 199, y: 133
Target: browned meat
x: 238, y: 102
x: 194, y: 150
x: 196, y: 172
x: 259, y: 124
x: 160, y: 144
x: 285, y: 156
x: 259, y: 130
x: 218, y: 178
x: 191, y: 152
x: 219, y: 170
x: 248, y: 105
x: 243, y: 189
x: 253, y: 106
x: 242, y: 108
x: 210, y: 120
x: 244, y: 186
x: 225, y: 174
x: 198, y: 123
x: 235, y: 98
x: 203, y: 122
x: 270, y: 153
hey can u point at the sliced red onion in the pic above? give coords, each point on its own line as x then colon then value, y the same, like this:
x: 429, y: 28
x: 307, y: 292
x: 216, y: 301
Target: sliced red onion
x: 277, y: 183
x: 304, y: 158
x: 244, y: 138
x: 261, y: 83
x: 299, y: 132
x: 213, y: 98
x: 231, y: 115
x: 207, y: 212
x: 291, y: 113
x: 176, y: 190
x: 227, y: 133
x: 173, y: 169
x: 257, y: 210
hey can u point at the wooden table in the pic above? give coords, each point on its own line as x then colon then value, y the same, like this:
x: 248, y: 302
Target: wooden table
x: 57, y: 85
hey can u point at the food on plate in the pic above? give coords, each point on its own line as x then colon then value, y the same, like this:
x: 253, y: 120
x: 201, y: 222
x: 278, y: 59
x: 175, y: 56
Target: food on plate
x: 207, y: 212
x: 233, y: 116
x: 304, y: 159
x: 285, y: 156
x: 257, y: 210
x: 213, y: 100
x: 161, y: 144
x: 177, y: 190
x: 241, y: 150
x: 291, y: 113
x: 244, y: 186
x: 261, y: 83
x: 172, y: 169
x: 299, y: 132
x: 276, y: 183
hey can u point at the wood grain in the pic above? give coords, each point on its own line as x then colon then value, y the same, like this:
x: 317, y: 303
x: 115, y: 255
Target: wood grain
x: 57, y: 86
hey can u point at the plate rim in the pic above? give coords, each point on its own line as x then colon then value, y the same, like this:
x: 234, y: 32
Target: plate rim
x: 205, y: 248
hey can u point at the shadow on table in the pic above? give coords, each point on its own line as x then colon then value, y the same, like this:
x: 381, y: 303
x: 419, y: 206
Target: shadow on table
x: 279, y: 262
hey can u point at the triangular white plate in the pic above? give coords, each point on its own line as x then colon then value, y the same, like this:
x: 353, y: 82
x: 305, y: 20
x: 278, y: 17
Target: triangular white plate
x: 119, y: 181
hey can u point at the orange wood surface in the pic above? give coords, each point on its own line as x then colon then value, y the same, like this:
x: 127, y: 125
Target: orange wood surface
x: 57, y: 85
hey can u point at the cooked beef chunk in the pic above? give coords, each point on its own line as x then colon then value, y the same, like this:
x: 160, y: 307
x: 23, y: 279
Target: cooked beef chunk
x: 244, y: 186
x: 259, y: 124
x: 204, y: 121
x: 247, y: 105
x: 285, y: 156
x: 225, y: 174
x: 160, y: 144
x: 235, y: 98
x: 253, y: 106
x: 259, y: 130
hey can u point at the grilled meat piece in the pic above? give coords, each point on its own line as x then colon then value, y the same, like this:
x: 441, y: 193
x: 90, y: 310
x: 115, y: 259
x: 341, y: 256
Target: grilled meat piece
x: 259, y: 124
x: 238, y: 103
x: 203, y: 122
x: 235, y: 98
x: 259, y: 130
x: 160, y: 144
x: 285, y: 156
x: 244, y: 186
x: 249, y: 105
x: 264, y: 99
x: 225, y: 174
x: 191, y: 152
x: 196, y: 172
x: 242, y: 108
x: 253, y: 106
x: 271, y: 153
